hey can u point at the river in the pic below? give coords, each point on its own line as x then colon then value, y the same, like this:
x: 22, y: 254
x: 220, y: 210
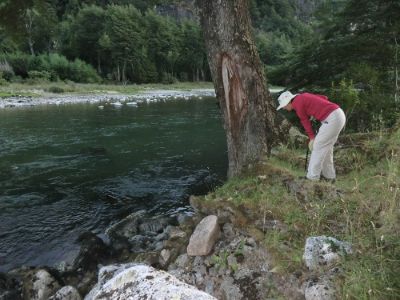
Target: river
x: 65, y: 169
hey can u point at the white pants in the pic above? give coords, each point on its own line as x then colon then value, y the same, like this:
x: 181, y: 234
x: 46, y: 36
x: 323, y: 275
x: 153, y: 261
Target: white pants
x: 321, y: 160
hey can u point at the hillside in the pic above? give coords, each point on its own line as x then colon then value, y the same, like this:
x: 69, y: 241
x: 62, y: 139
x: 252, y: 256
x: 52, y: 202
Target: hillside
x: 280, y: 211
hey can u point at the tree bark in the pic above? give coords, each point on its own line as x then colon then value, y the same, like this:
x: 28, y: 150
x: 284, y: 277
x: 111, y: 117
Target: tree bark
x: 250, y: 118
x: 396, y: 72
x: 29, y: 16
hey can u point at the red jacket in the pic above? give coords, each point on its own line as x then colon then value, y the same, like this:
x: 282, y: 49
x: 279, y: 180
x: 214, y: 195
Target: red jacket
x: 309, y: 105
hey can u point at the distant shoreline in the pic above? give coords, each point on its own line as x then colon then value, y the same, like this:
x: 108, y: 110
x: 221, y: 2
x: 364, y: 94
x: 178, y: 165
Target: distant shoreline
x: 113, y: 98
x: 16, y: 95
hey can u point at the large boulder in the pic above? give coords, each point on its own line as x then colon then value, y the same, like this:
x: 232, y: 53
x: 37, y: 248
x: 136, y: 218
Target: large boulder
x: 43, y: 286
x: 204, y: 237
x: 138, y: 281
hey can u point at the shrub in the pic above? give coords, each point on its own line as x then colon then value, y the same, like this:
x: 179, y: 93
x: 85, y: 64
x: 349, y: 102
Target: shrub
x: 367, y: 108
x: 364, y: 76
x: 83, y: 72
x: 2, y: 80
x: 19, y: 63
x: 6, y: 71
x: 59, y: 65
x: 167, y: 78
x: 56, y: 90
x: 47, y: 67
x: 40, y: 75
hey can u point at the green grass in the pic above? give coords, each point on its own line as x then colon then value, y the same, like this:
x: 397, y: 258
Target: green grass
x: 366, y: 214
x: 7, y: 94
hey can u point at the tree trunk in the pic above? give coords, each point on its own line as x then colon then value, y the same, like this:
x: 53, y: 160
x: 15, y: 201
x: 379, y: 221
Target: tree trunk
x: 118, y: 73
x: 124, y: 72
x: 98, y: 63
x: 250, y: 118
x: 396, y: 72
x: 29, y: 15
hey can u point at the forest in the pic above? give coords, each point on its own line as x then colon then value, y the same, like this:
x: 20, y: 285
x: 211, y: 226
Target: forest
x: 346, y: 49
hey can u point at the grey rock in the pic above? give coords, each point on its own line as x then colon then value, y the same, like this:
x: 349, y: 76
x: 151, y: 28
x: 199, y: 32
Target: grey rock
x: 184, y: 219
x: 228, y: 231
x: 209, y: 286
x: 139, y: 233
x: 66, y: 293
x: 63, y: 266
x: 176, y: 233
x: 232, y: 262
x: 324, y: 251
x: 161, y: 236
x: 143, y: 282
x: 230, y: 291
x: 182, y: 261
x: 165, y: 257
x: 127, y: 227
x: 321, y: 289
x: 204, y: 236
x: 158, y: 246
x: 92, y: 251
x: 44, y: 285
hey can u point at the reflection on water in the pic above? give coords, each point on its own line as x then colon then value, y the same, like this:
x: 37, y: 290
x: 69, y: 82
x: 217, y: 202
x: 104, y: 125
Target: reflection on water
x: 66, y: 169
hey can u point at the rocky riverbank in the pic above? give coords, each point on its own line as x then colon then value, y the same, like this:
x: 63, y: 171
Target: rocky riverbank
x: 219, y: 250
x: 264, y: 236
x: 105, y: 98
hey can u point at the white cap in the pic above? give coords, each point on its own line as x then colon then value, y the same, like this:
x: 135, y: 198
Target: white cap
x: 284, y: 99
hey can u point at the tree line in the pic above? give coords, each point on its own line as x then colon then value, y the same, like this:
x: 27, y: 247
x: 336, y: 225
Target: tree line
x: 117, y: 40
x: 126, y: 40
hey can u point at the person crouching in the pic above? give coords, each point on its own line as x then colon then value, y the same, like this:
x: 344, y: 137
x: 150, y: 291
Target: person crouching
x: 332, y: 118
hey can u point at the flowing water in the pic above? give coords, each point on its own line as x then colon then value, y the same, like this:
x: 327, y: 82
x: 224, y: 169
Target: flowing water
x: 70, y: 168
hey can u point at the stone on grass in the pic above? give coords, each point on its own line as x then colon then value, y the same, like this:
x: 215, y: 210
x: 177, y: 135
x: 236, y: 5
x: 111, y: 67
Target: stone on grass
x: 138, y: 281
x: 204, y: 237
x: 324, y: 251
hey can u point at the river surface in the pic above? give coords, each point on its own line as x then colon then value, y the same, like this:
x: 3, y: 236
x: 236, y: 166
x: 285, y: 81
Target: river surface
x: 71, y: 168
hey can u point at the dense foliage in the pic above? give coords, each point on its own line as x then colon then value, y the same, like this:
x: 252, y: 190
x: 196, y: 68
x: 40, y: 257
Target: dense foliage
x: 124, y: 41
x: 134, y: 40
x: 354, y: 58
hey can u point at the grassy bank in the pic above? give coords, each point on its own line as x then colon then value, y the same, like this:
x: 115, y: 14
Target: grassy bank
x: 39, y: 89
x: 45, y: 88
x: 362, y: 208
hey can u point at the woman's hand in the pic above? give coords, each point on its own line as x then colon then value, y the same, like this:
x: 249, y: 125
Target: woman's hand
x: 311, y: 144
